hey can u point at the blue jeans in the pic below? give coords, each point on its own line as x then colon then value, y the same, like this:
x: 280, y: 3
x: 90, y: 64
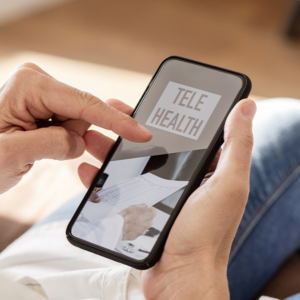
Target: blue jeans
x: 270, y: 229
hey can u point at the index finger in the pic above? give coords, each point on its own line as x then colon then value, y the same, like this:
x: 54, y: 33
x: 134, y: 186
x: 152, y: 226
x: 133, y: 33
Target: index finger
x: 51, y: 96
x: 92, y: 110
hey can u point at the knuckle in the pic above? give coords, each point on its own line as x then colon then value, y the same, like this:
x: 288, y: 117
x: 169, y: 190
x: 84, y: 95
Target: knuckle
x: 87, y: 101
x: 28, y: 65
x: 23, y: 79
x: 23, y: 74
x: 26, y: 80
x: 86, y: 97
x: 247, y: 141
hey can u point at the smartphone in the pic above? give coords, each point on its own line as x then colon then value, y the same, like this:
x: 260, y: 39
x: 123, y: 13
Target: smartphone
x: 145, y: 185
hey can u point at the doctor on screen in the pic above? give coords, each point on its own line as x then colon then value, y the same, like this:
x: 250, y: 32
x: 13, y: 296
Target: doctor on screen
x: 107, y: 230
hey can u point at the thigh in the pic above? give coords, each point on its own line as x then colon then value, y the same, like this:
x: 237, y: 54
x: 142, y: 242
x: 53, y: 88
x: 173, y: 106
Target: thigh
x: 275, y: 158
x: 269, y: 230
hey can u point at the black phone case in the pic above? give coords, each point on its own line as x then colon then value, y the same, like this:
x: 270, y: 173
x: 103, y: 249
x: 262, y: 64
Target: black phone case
x: 195, y: 181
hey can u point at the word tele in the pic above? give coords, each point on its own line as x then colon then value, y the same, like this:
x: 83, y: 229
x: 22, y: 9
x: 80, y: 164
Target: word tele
x: 182, y: 110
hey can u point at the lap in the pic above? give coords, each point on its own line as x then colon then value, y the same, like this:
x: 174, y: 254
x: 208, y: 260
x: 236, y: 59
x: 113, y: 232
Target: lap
x: 276, y: 152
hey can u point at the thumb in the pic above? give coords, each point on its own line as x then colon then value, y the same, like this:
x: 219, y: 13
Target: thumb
x: 53, y: 143
x: 236, y: 154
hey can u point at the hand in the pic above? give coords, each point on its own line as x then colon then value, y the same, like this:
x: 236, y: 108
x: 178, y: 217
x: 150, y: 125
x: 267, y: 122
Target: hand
x: 94, y: 197
x: 30, y: 99
x: 194, y: 262
x: 137, y: 219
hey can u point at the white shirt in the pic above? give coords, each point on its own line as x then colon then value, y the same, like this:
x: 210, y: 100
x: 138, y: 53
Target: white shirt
x: 106, y: 232
x: 43, y: 265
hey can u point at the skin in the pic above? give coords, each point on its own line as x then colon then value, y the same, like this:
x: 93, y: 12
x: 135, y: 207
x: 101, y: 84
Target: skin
x: 94, y: 197
x: 194, y: 262
x: 195, y: 258
x: 30, y: 94
x: 137, y: 219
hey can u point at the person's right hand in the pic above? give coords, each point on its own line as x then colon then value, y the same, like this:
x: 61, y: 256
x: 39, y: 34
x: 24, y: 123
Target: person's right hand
x: 29, y: 99
x: 137, y: 219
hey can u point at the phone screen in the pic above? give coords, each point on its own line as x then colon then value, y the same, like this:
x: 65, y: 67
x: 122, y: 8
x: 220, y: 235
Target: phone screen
x: 142, y: 184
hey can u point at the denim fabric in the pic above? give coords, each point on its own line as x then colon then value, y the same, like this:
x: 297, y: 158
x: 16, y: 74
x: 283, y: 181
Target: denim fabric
x: 270, y: 228
x: 295, y: 297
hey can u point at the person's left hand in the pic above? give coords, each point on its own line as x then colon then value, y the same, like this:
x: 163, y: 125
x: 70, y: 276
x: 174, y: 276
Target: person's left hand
x: 194, y: 262
x: 195, y: 257
x: 41, y: 117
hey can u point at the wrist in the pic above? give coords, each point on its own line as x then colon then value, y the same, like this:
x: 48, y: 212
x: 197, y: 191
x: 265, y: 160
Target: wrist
x: 186, y: 279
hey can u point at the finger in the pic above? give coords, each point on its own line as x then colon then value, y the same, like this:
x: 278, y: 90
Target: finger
x: 153, y: 212
x: 52, y: 143
x: 119, y: 105
x: 95, y: 199
x: 69, y: 102
x: 32, y: 66
x: 87, y: 174
x: 236, y: 154
x: 144, y: 205
x: 98, y: 144
x: 78, y: 126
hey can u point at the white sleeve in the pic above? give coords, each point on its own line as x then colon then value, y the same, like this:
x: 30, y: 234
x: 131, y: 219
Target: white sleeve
x: 12, y: 289
x: 42, y: 265
x: 105, y: 232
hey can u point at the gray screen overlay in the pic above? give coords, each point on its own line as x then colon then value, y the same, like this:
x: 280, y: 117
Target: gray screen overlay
x: 192, y: 75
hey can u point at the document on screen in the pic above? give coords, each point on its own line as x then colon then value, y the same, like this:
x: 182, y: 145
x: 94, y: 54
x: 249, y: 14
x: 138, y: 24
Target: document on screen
x: 147, y: 188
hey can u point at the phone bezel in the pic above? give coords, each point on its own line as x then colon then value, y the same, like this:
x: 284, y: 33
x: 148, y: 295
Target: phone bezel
x: 194, y: 183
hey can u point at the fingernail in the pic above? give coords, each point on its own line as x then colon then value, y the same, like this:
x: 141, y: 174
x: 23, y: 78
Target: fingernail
x: 144, y: 130
x: 249, y: 109
x: 80, y: 146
